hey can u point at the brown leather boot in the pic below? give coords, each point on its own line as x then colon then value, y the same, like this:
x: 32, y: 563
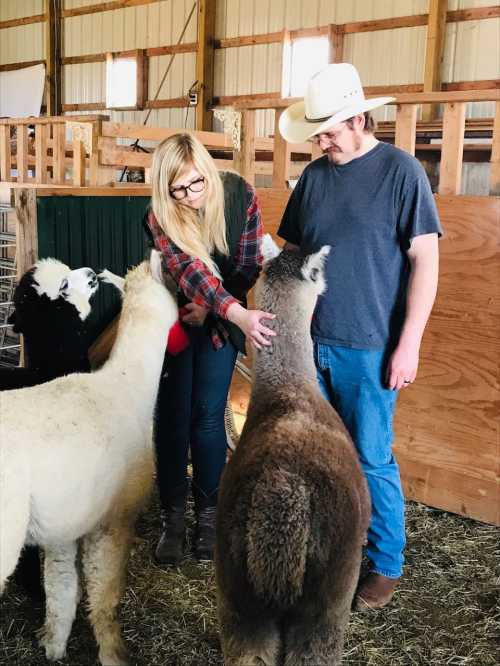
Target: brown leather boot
x: 204, y: 536
x: 172, y: 544
x: 374, y: 591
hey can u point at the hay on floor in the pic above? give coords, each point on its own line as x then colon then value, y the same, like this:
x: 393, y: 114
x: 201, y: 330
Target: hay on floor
x: 446, y: 610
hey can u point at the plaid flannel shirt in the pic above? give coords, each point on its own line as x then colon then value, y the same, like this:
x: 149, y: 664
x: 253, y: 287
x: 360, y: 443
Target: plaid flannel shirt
x: 199, y: 284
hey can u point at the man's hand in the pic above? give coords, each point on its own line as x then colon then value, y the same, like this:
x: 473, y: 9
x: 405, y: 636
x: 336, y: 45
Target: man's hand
x: 193, y: 314
x: 402, y: 367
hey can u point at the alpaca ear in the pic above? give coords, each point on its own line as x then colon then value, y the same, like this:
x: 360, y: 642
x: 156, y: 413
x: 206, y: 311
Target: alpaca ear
x: 111, y: 278
x: 313, y: 268
x: 155, y: 265
x: 269, y: 248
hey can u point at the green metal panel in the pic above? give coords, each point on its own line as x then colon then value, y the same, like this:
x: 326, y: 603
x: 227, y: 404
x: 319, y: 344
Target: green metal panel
x: 99, y: 232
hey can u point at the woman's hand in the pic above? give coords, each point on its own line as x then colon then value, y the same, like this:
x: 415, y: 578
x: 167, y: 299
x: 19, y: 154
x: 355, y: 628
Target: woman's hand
x: 193, y: 314
x: 250, y: 322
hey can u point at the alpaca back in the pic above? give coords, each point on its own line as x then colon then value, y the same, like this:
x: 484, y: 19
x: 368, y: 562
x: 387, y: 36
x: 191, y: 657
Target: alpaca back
x: 294, y: 505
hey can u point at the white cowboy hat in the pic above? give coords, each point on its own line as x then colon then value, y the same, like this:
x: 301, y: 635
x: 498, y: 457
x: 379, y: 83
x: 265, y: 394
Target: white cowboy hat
x: 333, y: 94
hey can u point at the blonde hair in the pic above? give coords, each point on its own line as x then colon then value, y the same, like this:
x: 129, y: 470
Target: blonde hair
x: 197, y: 233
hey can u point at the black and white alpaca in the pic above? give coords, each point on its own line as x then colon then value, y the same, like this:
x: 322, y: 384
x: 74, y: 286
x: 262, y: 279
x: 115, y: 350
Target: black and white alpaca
x: 293, y: 502
x: 51, y: 307
x: 77, y: 464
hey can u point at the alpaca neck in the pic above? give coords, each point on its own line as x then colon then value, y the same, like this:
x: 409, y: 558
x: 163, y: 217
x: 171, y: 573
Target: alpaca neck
x: 289, y: 361
x: 139, y: 349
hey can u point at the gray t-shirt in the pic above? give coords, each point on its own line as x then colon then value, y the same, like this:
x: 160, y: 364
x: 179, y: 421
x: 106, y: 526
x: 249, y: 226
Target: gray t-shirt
x: 367, y: 210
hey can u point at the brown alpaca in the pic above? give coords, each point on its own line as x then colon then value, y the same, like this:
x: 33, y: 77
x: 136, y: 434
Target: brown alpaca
x: 293, y: 506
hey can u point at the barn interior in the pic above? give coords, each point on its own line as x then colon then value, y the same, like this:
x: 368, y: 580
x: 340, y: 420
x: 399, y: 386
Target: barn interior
x: 89, y: 88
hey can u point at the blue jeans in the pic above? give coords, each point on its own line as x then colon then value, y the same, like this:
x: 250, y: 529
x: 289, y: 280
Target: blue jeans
x: 352, y: 380
x: 190, y: 409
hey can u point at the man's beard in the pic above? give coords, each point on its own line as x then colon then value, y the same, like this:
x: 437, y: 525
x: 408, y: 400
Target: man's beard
x: 335, y: 152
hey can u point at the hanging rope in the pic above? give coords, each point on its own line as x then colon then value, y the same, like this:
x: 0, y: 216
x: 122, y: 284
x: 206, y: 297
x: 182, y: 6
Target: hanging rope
x: 135, y: 145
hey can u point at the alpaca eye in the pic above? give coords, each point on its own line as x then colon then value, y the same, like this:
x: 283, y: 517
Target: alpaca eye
x: 64, y: 285
x: 314, y: 274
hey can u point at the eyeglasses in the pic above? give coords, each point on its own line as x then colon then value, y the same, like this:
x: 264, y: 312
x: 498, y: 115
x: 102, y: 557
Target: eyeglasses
x: 329, y: 136
x: 196, y: 186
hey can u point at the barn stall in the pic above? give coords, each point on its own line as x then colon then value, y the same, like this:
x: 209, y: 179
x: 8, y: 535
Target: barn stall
x: 61, y: 193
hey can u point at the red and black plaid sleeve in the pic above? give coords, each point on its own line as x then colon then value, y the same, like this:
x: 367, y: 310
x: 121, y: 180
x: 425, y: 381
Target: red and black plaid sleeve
x: 193, y: 277
x: 248, y: 258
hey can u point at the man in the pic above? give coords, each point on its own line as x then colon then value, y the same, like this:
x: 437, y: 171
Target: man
x: 372, y: 203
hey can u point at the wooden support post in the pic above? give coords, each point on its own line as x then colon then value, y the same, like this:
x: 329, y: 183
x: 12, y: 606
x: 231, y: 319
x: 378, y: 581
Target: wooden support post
x: 5, y: 153
x: 205, y: 63
x: 22, y: 153
x: 495, y: 154
x: 41, y: 153
x: 26, y: 229
x: 53, y: 40
x: 78, y: 163
x: 406, y: 127
x: 97, y: 145
x: 450, y: 173
x: 244, y: 158
x: 436, y: 31
x: 281, y: 155
x: 26, y: 238
x: 336, y: 39
x: 58, y: 153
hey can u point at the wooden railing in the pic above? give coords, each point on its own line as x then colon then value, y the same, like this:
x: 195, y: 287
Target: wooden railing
x: 453, y: 130
x: 83, y: 151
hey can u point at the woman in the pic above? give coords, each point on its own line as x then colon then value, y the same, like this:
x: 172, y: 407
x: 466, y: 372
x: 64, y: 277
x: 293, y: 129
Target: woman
x: 207, y: 226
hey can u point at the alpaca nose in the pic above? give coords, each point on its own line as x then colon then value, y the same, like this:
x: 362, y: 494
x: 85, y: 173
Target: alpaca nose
x: 92, y: 277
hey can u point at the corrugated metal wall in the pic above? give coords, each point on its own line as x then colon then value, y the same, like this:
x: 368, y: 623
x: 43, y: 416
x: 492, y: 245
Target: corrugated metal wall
x: 25, y: 42
x: 472, y: 49
x: 157, y: 24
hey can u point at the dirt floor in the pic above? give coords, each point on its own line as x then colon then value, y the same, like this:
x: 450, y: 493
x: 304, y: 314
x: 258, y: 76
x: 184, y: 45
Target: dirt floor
x: 446, y: 611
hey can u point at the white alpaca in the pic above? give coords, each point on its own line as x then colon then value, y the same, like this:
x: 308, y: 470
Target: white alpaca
x: 76, y: 461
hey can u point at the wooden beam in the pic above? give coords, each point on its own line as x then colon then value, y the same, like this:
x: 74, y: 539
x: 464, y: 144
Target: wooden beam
x: 26, y: 229
x: 495, y: 155
x: 59, y: 153
x: 105, y: 7
x: 485, y: 84
x: 87, y: 106
x: 22, y: 153
x: 5, y: 153
x: 406, y: 125
x: 53, y: 41
x: 384, y: 24
x: 319, y: 31
x: 436, y: 29
x: 25, y: 20
x: 244, y: 158
x: 190, y: 47
x: 450, y: 174
x: 336, y: 39
x: 205, y: 63
x: 78, y: 163
x: 41, y: 153
x: 149, y: 53
x: 473, y: 14
x: 173, y: 103
x: 249, y: 40
x: 400, y: 97
x: 281, y: 156
x: 12, y: 66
